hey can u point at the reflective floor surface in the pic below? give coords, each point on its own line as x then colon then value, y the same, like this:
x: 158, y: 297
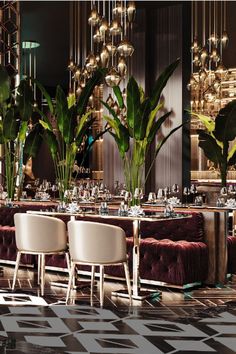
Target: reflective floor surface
x: 202, y: 320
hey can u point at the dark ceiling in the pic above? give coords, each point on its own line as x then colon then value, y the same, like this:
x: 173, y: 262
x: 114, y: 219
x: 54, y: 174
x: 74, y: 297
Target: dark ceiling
x: 47, y: 22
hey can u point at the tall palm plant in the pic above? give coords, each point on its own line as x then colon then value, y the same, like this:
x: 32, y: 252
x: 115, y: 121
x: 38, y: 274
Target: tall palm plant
x: 15, y: 111
x: 135, y: 136
x: 71, y: 124
x: 215, y: 140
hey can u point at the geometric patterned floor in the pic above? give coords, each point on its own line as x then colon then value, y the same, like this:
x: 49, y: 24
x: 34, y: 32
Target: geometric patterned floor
x: 200, y: 321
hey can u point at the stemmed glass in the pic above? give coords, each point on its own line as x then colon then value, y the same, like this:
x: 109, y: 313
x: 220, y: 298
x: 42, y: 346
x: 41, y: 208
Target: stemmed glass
x: 186, y: 192
x: 160, y: 194
x: 175, y: 188
x: 151, y: 197
x: 128, y: 198
x: 138, y: 195
x: 94, y: 194
x: 54, y: 190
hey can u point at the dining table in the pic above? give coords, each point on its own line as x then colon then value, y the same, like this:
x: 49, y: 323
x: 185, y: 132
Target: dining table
x: 150, y: 216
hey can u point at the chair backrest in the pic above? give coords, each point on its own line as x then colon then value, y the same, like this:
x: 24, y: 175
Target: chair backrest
x: 39, y: 233
x: 93, y: 242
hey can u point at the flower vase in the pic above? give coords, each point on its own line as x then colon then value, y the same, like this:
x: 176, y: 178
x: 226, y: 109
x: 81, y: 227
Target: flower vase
x: 134, y: 180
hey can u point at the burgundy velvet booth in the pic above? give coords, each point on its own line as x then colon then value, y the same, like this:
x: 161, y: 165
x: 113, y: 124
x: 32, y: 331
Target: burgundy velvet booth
x: 171, y: 251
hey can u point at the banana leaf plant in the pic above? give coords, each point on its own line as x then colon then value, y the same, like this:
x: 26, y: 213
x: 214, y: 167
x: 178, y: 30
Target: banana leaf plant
x: 15, y: 111
x: 72, y: 121
x: 215, y: 141
x: 135, y: 136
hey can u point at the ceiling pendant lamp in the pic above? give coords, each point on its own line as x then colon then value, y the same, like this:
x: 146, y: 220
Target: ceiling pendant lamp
x: 94, y: 17
x: 112, y: 78
x: 122, y: 67
x: 131, y: 11
x: 104, y: 57
x: 115, y: 28
x: 125, y: 48
x: 91, y: 63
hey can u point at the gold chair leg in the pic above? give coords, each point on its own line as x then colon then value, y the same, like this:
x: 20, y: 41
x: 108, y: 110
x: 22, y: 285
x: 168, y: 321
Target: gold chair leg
x: 16, y: 269
x: 72, y: 269
x: 92, y: 279
x: 101, y: 285
x: 39, y: 268
x: 127, y: 277
x: 42, y: 273
x: 68, y: 262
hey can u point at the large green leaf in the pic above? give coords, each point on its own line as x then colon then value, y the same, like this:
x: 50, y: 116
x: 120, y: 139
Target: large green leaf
x: 82, y: 123
x: 4, y: 84
x: 141, y: 121
x: 46, y: 95
x: 23, y: 131
x: 10, y: 125
x: 84, y: 130
x: 156, y: 126
x: 232, y: 158
x: 45, y: 122
x: 119, y: 97
x: 24, y: 100
x: 225, y: 123
x: 88, y: 90
x: 231, y: 153
x: 62, y: 114
x: 116, y: 118
x: 152, y: 117
x: 210, y: 147
x: 33, y: 141
x: 2, y: 139
x: 161, y: 82
x: 207, y: 121
x: 133, y: 104
x: 52, y: 143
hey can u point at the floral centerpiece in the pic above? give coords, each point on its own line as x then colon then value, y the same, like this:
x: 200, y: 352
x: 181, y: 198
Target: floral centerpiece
x: 135, y: 134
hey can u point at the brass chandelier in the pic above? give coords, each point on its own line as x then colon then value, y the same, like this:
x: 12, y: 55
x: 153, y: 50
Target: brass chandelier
x: 110, y: 25
x: 208, y: 73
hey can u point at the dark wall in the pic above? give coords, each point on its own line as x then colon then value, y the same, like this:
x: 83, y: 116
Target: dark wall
x: 47, y: 22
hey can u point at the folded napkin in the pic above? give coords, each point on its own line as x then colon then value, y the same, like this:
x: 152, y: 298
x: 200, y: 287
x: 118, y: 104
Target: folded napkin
x: 136, y: 211
x: 173, y: 201
x: 72, y: 208
x: 231, y: 202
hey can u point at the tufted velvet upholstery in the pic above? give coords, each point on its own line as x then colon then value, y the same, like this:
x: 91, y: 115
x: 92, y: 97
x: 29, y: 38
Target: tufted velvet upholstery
x: 189, y: 229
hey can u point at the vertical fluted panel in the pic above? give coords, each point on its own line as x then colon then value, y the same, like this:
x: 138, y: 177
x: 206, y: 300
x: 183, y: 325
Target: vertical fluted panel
x: 168, y: 47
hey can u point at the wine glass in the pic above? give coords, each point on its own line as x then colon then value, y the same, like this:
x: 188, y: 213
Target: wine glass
x: 160, y: 194
x: 151, y: 197
x: 54, y: 190
x: 138, y: 195
x: 186, y: 192
x: 175, y: 188
x: 128, y: 197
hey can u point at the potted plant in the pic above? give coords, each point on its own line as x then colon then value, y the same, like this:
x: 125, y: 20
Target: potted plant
x: 135, y: 134
x: 15, y: 111
x: 72, y: 121
x: 215, y: 141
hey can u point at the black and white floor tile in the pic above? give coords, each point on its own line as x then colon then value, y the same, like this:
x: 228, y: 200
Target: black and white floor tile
x: 200, y: 321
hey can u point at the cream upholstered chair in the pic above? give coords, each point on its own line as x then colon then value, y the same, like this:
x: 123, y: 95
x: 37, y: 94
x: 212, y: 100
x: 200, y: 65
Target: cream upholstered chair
x: 96, y: 244
x: 40, y: 235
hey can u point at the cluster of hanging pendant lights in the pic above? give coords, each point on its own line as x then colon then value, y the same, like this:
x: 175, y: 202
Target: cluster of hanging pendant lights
x: 110, y: 25
x: 208, y: 69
